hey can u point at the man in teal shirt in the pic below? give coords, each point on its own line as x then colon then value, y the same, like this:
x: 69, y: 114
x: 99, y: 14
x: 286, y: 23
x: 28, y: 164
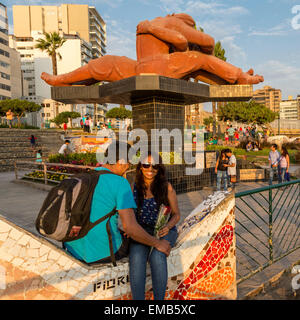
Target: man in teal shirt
x: 231, y: 133
x: 112, y: 191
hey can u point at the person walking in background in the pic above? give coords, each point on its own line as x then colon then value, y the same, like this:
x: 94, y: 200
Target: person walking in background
x: 81, y: 123
x: 231, y: 168
x: 151, y: 191
x: 87, y: 124
x: 9, y: 117
x: 32, y: 141
x: 274, y: 157
x: 236, y: 137
x: 284, y: 164
x: 84, y: 123
x: 65, y: 128
x: 39, y: 156
x: 231, y: 133
x: 226, y: 138
x: 221, y: 170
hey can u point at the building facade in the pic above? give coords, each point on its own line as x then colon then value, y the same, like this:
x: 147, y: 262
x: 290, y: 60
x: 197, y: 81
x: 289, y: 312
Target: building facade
x: 83, y: 20
x: 195, y: 115
x: 5, y: 63
x: 77, y: 25
x: 269, y: 97
x: 290, y: 109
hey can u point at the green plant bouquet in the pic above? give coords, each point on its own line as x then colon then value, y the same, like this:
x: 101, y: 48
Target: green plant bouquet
x: 162, y: 219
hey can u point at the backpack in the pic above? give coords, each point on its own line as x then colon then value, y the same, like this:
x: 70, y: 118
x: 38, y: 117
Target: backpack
x: 69, y: 204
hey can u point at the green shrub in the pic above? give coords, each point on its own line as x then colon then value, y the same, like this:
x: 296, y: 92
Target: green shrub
x: 84, y: 159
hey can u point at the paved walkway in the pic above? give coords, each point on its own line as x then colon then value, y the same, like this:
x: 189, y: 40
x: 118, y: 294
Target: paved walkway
x: 21, y: 204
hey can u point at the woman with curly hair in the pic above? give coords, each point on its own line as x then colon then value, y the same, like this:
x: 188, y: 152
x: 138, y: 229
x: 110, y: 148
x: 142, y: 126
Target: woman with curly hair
x: 152, y: 190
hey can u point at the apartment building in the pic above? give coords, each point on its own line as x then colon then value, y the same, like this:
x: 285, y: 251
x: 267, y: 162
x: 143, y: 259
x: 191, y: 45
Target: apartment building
x: 5, y: 64
x: 77, y: 25
x: 83, y: 20
x: 269, y: 97
x: 290, y: 109
x: 195, y: 115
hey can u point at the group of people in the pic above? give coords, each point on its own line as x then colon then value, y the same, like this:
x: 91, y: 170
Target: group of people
x: 226, y: 169
x: 138, y: 206
x: 252, y: 146
x: 86, y: 123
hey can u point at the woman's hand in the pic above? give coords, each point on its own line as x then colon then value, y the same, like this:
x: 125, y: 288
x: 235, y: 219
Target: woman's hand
x: 163, y: 232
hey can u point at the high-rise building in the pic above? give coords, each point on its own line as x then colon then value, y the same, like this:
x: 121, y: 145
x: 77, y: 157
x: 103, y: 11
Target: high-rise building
x: 289, y: 109
x: 269, y: 97
x: 80, y: 19
x: 195, y: 115
x: 5, y: 65
x: 79, y: 25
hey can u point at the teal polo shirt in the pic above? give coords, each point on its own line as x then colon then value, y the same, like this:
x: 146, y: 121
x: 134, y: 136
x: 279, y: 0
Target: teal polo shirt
x: 111, y: 191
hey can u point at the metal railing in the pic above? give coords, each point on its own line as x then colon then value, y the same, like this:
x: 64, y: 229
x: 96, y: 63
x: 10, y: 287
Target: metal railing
x: 267, y: 226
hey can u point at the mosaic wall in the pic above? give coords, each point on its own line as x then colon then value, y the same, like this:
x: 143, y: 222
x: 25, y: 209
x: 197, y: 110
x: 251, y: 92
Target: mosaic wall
x: 84, y: 144
x: 201, y: 266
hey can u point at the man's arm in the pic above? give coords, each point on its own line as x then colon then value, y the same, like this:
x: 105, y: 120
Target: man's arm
x: 137, y: 233
x: 164, y: 34
x: 205, y: 41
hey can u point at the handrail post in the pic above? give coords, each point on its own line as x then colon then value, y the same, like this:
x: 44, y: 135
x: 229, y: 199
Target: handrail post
x: 271, y: 225
x: 16, y: 170
x: 45, y: 173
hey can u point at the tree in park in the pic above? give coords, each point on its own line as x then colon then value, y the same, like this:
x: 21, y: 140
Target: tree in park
x: 219, y: 52
x: 64, y: 117
x: 208, y: 121
x: 18, y: 107
x: 119, y: 113
x: 246, y: 112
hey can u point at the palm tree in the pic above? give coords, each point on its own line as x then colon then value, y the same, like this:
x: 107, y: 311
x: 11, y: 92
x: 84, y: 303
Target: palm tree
x: 51, y: 43
x: 219, y: 52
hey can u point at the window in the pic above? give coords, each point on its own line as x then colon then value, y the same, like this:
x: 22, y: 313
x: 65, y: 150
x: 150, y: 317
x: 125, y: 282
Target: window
x: 3, y: 41
x: 4, y: 53
x: 4, y: 64
x: 5, y: 87
x: 5, y: 76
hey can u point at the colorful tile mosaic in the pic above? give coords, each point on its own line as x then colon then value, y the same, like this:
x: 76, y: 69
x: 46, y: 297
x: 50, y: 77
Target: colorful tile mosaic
x: 201, y: 265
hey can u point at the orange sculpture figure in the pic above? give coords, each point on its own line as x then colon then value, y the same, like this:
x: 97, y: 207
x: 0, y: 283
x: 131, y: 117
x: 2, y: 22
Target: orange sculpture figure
x: 168, y: 46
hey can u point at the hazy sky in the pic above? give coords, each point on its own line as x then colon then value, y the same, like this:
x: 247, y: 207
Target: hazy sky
x: 255, y: 33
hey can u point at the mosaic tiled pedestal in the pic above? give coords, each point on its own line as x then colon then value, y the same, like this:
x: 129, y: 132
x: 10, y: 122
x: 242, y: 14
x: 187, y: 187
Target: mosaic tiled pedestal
x: 202, y: 265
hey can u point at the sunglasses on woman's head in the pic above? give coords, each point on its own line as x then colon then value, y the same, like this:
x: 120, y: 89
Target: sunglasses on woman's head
x: 147, y: 166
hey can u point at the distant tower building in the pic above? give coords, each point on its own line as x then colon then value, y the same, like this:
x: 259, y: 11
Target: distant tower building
x: 269, y: 97
x: 5, y: 63
x: 289, y: 109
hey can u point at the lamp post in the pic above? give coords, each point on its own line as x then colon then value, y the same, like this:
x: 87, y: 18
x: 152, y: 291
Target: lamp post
x: 279, y: 123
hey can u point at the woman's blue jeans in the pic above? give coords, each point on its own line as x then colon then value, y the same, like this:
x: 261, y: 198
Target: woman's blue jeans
x: 281, y: 176
x: 138, y: 256
x: 222, y: 175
